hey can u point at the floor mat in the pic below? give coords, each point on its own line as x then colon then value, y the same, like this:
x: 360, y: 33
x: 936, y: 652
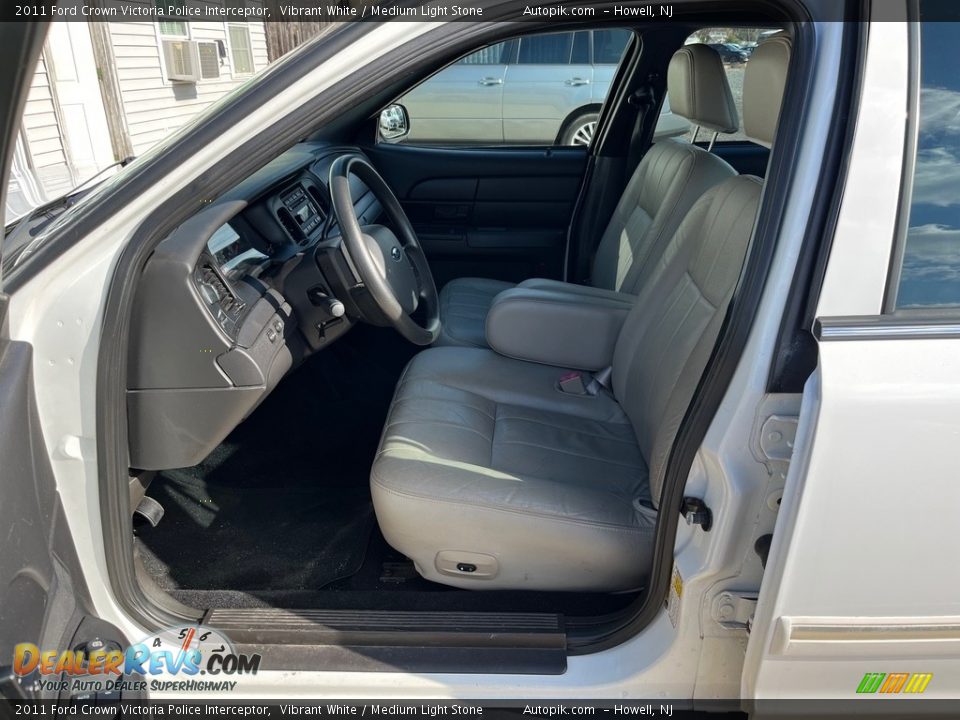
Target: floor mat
x: 245, y: 539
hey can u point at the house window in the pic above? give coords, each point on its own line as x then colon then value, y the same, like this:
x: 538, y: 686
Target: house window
x: 241, y: 52
x: 171, y: 28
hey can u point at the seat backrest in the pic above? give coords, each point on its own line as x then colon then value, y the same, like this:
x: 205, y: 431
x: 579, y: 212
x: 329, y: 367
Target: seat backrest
x: 669, y: 334
x: 671, y: 176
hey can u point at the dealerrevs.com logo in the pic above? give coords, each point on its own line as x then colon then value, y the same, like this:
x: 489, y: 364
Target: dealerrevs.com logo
x: 190, y: 658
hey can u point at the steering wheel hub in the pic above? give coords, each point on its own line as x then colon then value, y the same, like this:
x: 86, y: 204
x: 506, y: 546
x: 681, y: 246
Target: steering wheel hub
x: 389, y: 260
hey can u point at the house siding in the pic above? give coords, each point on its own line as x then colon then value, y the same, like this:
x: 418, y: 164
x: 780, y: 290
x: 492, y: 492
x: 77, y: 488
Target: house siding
x: 153, y: 106
x: 42, y: 129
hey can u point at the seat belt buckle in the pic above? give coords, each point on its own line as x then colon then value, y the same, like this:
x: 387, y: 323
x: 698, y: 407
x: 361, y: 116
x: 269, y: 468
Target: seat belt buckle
x: 572, y: 383
x: 583, y: 383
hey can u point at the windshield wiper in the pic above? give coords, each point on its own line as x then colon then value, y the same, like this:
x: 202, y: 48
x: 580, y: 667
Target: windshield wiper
x: 18, y: 235
x: 63, y: 201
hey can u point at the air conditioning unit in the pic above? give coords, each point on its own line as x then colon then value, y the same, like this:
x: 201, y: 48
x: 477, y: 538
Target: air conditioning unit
x: 208, y: 53
x: 180, y: 57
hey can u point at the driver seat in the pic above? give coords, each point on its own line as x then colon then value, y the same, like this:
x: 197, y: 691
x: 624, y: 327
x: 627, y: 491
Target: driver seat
x: 489, y: 476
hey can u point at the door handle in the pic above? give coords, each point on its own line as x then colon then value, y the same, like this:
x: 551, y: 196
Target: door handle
x: 488, y: 81
x: 574, y: 82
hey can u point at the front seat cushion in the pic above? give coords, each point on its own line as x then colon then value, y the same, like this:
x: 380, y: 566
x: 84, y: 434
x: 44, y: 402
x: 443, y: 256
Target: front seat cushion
x: 485, y: 463
x: 464, y: 304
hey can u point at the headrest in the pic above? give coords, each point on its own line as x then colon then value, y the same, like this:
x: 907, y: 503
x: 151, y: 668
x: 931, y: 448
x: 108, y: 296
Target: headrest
x: 764, y: 81
x: 698, y: 89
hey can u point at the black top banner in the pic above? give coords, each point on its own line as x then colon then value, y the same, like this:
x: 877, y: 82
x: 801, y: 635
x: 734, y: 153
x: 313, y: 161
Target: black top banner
x: 338, y: 11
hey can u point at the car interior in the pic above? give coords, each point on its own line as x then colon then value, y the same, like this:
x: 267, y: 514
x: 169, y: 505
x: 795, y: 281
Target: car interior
x: 378, y: 376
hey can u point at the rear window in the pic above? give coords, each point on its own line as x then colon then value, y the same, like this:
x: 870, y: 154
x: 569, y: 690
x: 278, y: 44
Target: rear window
x: 608, y: 46
x: 546, y: 49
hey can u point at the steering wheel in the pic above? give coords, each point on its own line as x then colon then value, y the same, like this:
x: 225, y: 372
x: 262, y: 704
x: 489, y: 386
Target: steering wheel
x: 394, y: 270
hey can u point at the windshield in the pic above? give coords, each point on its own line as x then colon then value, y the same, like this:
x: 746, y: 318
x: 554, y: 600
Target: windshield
x: 99, y: 96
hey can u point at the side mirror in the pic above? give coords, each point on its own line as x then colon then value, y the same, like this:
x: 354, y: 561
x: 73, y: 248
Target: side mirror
x: 394, y: 123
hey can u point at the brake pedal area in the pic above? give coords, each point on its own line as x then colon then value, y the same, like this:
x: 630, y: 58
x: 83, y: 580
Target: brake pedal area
x: 150, y: 510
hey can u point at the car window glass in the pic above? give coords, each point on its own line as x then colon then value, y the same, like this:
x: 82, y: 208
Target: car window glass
x: 492, y: 55
x: 581, y: 48
x: 539, y: 89
x: 930, y: 270
x: 608, y: 45
x: 545, y: 49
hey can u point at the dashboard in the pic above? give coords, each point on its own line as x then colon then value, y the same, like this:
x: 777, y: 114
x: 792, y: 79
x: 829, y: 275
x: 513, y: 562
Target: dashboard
x: 232, y: 300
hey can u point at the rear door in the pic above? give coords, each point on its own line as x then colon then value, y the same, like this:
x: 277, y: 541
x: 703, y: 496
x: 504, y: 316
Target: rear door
x: 859, y: 602
x: 461, y: 103
x: 43, y: 601
x: 608, y: 47
x: 551, y: 78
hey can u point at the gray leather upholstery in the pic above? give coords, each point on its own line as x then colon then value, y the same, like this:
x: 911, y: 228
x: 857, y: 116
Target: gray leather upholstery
x: 665, y: 185
x: 483, y: 456
x: 698, y: 89
x: 671, y: 177
x: 668, y: 336
x: 488, y: 476
x: 763, y: 86
x: 464, y: 304
x: 540, y: 324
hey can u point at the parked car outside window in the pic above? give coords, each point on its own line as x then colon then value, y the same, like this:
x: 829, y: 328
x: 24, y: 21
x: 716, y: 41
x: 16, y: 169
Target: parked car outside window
x: 535, y: 90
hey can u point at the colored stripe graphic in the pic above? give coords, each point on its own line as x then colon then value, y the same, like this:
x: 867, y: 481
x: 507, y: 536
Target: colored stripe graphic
x: 918, y: 682
x: 871, y: 682
x: 894, y: 683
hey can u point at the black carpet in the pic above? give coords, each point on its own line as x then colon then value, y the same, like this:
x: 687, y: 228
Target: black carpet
x: 283, y: 504
x: 213, y: 537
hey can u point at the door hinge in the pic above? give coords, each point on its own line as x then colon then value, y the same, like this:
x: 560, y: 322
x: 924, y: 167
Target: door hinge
x: 734, y: 610
x: 696, y: 512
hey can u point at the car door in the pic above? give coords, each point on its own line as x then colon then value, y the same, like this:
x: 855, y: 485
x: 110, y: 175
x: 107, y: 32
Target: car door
x: 43, y: 600
x: 859, y: 599
x: 551, y: 78
x: 463, y: 102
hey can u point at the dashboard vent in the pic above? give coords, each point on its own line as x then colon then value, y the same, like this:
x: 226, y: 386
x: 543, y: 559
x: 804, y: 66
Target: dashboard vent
x: 290, y: 225
x: 224, y: 297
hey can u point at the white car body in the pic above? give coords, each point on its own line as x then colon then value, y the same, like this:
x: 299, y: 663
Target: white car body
x: 860, y: 576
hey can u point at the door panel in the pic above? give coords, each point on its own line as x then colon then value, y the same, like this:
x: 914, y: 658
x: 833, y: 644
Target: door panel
x: 486, y: 212
x: 43, y: 600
